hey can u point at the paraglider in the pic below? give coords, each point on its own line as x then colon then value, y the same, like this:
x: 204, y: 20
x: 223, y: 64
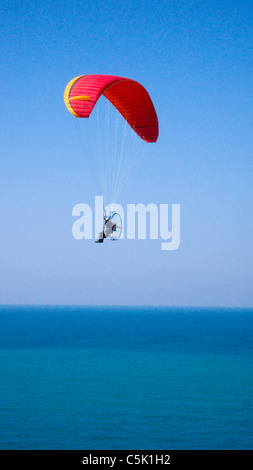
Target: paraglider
x: 133, y: 103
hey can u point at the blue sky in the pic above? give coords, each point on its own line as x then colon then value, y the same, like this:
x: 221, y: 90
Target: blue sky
x: 195, y: 59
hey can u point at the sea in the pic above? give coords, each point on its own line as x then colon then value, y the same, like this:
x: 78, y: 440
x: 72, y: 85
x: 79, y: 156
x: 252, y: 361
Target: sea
x: 125, y: 378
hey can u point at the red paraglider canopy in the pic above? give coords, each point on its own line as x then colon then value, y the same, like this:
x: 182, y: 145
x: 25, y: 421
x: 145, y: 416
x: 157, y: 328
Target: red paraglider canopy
x: 129, y: 97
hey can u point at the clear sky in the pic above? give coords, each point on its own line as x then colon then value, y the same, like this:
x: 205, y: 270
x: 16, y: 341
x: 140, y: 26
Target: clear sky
x: 195, y: 59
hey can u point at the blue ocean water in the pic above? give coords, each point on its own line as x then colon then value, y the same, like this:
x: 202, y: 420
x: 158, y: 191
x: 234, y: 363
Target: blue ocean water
x: 125, y: 378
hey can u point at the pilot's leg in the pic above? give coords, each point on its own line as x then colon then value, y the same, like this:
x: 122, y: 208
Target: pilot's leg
x: 100, y: 238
